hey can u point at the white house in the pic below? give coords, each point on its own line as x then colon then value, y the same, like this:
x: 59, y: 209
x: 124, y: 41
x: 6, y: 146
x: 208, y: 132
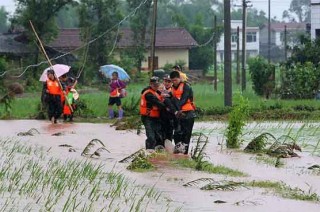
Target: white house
x: 252, y: 44
x: 277, y: 33
x: 315, y: 19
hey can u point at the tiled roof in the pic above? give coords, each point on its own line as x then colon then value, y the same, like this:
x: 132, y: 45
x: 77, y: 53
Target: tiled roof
x: 69, y: 39
x: 8, y: 45
x: 290, y: 26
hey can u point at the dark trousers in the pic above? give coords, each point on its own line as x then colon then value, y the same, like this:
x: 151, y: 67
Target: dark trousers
x: 153, y: 131
x: 183, y: 131
x: 167, y: 126
x: 54, y: 106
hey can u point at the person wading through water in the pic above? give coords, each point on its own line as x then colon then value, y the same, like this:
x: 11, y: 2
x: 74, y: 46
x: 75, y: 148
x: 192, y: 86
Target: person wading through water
x: 54, y: 92
x: 167, y: 117
x: 150, y: 105
x: 185, y: 114
x: 115, y: 95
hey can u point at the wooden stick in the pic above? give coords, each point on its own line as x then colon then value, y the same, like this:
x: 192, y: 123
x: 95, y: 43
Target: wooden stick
x: 45, y: 54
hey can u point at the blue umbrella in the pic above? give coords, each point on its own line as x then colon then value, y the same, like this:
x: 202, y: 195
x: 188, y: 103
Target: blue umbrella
x: 107, y: 71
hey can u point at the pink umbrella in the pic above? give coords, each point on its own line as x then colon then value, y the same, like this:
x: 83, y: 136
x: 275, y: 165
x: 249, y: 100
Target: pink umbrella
x: 59, y: 70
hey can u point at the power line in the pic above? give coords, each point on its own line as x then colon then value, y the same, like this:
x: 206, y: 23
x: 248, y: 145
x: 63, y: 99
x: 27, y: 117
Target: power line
x: 88, y: 43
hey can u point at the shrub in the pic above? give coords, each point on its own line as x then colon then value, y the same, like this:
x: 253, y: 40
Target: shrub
x: 236, y: 122
x: 300, y: 81
x: 262, y: 75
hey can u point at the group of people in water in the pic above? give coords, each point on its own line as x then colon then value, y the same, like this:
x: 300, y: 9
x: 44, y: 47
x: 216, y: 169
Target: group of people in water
x: 167, y: 111
x: 166, y: 106
x: 59, y: 95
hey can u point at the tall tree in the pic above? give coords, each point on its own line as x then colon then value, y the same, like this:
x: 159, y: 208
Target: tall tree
x: 68, y: 17
x: 300, y: 8
x: 3, y: 19
x: 42, y: 14
x: 138, y: 25
x: 97, y: 21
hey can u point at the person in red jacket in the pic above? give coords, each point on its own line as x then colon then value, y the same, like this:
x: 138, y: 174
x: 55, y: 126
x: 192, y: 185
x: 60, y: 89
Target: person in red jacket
x: 54, y: 91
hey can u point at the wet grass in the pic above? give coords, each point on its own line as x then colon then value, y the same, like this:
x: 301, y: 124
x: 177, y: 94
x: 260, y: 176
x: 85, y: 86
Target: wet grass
x: 265, y: 159
x: 210, y: 168
x: 41, y: 183
x: 286, y: 191
x: 205, y: 98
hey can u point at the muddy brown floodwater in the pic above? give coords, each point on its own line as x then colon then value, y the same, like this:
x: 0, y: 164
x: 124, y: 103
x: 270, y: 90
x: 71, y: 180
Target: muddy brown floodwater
x: 169, y: 179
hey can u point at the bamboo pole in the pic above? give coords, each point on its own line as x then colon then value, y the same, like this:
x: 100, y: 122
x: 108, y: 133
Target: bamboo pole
x: 49, y: 61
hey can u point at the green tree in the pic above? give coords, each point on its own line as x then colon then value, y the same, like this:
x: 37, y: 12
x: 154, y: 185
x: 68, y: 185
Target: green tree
x: 300, y: 8
x: 138, y: 25
x: 68, y: 17
x: 98, y: 22
x: 255, y: 18
x: 42, y: 14
x: 262, y: 75
x: 3, y: 19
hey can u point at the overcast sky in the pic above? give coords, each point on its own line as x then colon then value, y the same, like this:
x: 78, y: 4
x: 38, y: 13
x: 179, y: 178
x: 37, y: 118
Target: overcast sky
x: 277, y: 6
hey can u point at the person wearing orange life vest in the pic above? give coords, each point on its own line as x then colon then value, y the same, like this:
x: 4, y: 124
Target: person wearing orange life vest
x: 54, y: 92
x: 167, y: 117
x: 150, y: 105
x: 182, y: 98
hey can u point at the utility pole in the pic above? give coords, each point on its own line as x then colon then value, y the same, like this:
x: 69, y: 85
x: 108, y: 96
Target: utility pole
x: 269, y: 32
x: 215, y: 53
x: 244, y: 41
x: 227, y: 55
x: 285, y: 43
x: 153, y: 37
x: 238, y: 57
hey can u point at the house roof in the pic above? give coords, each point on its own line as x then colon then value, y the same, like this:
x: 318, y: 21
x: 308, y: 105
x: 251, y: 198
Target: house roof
x: 69, y: 39
x: 165, y: 38
x: 8, y: 45
x: 290, y: 26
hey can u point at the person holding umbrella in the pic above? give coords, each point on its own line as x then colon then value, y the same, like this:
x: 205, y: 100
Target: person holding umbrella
x: 115, y: 86
x: 54, y: 91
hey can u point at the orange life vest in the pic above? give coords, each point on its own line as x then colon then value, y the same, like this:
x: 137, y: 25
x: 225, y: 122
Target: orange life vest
x: 144, y: 110
x: 115, y: 93
x: 53, y: 87
x: 177, y: 93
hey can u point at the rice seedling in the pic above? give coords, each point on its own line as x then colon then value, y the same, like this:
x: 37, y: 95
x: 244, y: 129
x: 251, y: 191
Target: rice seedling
x: 88, y: 150
x: 30, y: 132
x: 71, y: 185
x: 286, y: 191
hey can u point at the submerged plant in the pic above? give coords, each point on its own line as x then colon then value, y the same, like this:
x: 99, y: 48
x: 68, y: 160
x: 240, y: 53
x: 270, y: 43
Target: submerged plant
x: 236, y: 122
x: 259, y: 143
x: 140, y: 163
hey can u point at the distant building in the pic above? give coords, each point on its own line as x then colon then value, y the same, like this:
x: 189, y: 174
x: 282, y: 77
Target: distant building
x: 315, y: 19
x: 172, y: 44
x: 277, y: 38
x: 277, y: 33
x: 252, y: 42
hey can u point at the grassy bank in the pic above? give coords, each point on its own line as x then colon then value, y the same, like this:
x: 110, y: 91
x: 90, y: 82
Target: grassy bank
x: 210, y: 104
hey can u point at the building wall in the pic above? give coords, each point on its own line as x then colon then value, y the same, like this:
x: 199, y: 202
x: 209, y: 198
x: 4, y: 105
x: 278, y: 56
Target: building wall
x: 168, y: 56
x: 315, y: 17
x: 264, y: 36
x: 252, y: 48
x: 164, y: 56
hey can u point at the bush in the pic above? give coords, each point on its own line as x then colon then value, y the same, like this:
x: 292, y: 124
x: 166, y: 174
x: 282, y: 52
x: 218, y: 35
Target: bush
x: 262, y: 75
x: 299, y: 81
x: 236, y: 122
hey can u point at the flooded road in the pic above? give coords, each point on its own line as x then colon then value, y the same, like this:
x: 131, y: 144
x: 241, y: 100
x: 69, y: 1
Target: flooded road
x: 169, y: 179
